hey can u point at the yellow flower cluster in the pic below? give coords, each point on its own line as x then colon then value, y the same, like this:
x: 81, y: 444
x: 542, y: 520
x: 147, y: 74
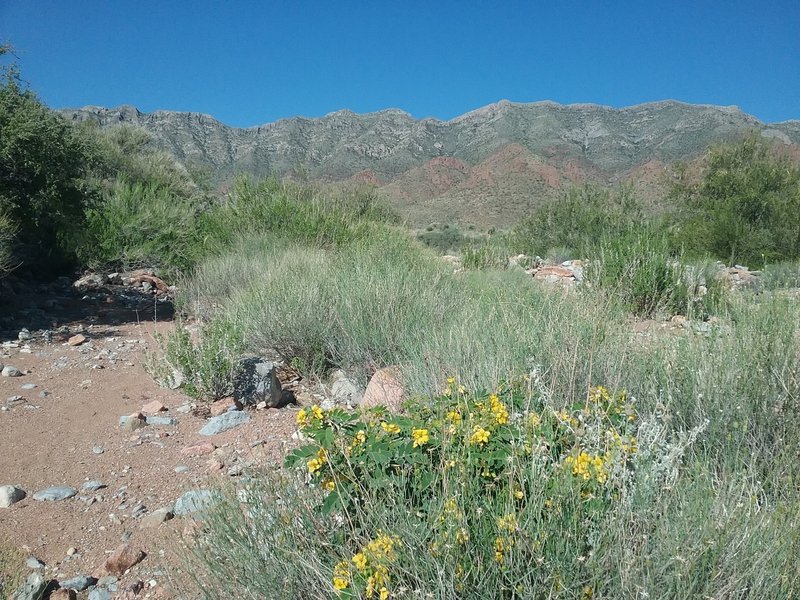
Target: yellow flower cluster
x: 498, y: 409
x: 479, y: 436
x: 390, y: 428
x: 370, y: 565
x: 315, y: 464
x: 306, y: 418
x: 420, y: 437
x: 585, y: 466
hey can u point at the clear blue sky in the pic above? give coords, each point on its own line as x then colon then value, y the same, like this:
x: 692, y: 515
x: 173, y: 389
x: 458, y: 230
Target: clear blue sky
x: 248, y: 63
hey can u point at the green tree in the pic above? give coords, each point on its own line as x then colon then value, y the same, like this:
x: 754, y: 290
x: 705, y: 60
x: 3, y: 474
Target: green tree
x: 43, y: 166
x: 746, y: 207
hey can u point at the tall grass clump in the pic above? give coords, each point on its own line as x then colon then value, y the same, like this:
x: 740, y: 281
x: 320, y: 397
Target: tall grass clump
x: 641, y: 272
x: 144, y: 224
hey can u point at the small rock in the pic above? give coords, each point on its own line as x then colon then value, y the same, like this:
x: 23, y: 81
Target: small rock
x: 182, y: 469
x: 122, y: 559
x: 184, y: 409
x: 97, y: 449
x: 34, y: 563
x: 64, y: 594
x: 107, y: 580
x: 55, y: 493
x: 93, y: 485
x: 79, y: 583
x: 72, y: 551
x: 44, y: 394
x: 11, y: 371
x: 166, y: 421
x: 225, y: 422
x: 194, y: 501
x: 156, y: 518
x: 77, y: 340
x: 28, y: 386
x: 10, y: 494
x: 153, y: 408
x: 344, y: 390
x: 199, y: 449
x: 90, y: 280
x: 222, y: 406
x: 99, y: 594
x: 132, y: 422
x: 24, y: 335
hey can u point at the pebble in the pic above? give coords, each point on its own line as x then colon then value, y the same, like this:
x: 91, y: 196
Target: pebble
x: 153, y: 420
x: 11, y: 371
x: 55, y: 493
x: 97, y: 449
x: 44, y: 394
x: 34, y: 563
x: 157, y: 517
x: 93, y: 485
x: 29, y: 386
x: 99, y: 593
x: 181, y: 469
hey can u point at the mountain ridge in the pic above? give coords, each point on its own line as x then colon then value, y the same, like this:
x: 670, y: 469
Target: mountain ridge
x: 547, y: 144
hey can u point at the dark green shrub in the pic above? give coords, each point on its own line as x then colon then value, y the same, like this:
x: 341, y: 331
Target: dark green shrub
x: 576, y: 222
x: 746, y: 207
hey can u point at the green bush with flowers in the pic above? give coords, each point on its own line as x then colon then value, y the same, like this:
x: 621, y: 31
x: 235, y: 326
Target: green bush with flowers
x: 501, y: 482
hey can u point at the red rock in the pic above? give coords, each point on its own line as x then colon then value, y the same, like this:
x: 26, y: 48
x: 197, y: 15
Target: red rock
x: 386, y: 388
x: 221, y: 406
x: 199, y: 449
x: 557, y: 271
x: 77, y: 339
x: 153, y: 408
x: 122, y: 559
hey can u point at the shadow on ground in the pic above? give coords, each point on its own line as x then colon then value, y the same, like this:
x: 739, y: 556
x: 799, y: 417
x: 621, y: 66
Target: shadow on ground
x: 57, y: 306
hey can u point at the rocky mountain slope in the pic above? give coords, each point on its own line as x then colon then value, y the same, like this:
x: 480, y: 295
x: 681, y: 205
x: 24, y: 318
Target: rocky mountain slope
x: 489, y: 166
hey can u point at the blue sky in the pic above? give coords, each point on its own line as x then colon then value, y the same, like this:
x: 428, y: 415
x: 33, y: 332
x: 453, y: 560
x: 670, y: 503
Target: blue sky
x: 248, y: 63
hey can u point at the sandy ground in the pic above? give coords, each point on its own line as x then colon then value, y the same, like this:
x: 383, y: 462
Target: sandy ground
x: 66, y: 431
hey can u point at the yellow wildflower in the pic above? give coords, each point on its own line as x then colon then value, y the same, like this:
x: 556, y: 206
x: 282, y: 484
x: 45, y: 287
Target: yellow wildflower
x: 420, y: 437
x: 519, y: 494
x: 360, y: 561
x: 462, y: 537
x: 302, y: 418
x: 454, y: 416
x: 317, y: 412
x: 451, y: 381
x: 534, y: 419
x: 507, y: 523
x: 390, y: 427
x: 340, y: 583
x: 329, y: 485
x: 479, y: 436
x: 384, y: 593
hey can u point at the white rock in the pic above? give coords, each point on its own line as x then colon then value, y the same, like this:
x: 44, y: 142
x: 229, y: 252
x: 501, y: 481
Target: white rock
x: 10, y: 494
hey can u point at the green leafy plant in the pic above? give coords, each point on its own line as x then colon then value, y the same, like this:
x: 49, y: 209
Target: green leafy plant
x: 522, y: 462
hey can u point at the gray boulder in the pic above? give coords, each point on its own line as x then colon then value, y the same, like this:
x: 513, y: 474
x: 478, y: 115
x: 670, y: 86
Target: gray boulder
x: 79, y: 583
x: 33, y: 588
x: 224, y: 422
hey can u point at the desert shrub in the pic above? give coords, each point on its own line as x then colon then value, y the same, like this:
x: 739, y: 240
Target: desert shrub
x: 499, y: 494
x: 781, y: 275
x: 143, y: 224
x: 746, y: 206
x: 575, y: 223
x: 640, y: 271
x: 205, y: 369
x: 444, y: 238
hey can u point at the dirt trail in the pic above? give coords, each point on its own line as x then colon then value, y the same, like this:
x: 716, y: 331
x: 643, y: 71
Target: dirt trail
x: 65, y: 431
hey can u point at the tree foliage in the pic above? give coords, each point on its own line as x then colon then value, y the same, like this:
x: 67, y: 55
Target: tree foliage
x: 746, y: 207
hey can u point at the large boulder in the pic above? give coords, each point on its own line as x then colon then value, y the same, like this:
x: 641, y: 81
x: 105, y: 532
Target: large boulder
x: 386, y: 388
x: 258, y: 383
